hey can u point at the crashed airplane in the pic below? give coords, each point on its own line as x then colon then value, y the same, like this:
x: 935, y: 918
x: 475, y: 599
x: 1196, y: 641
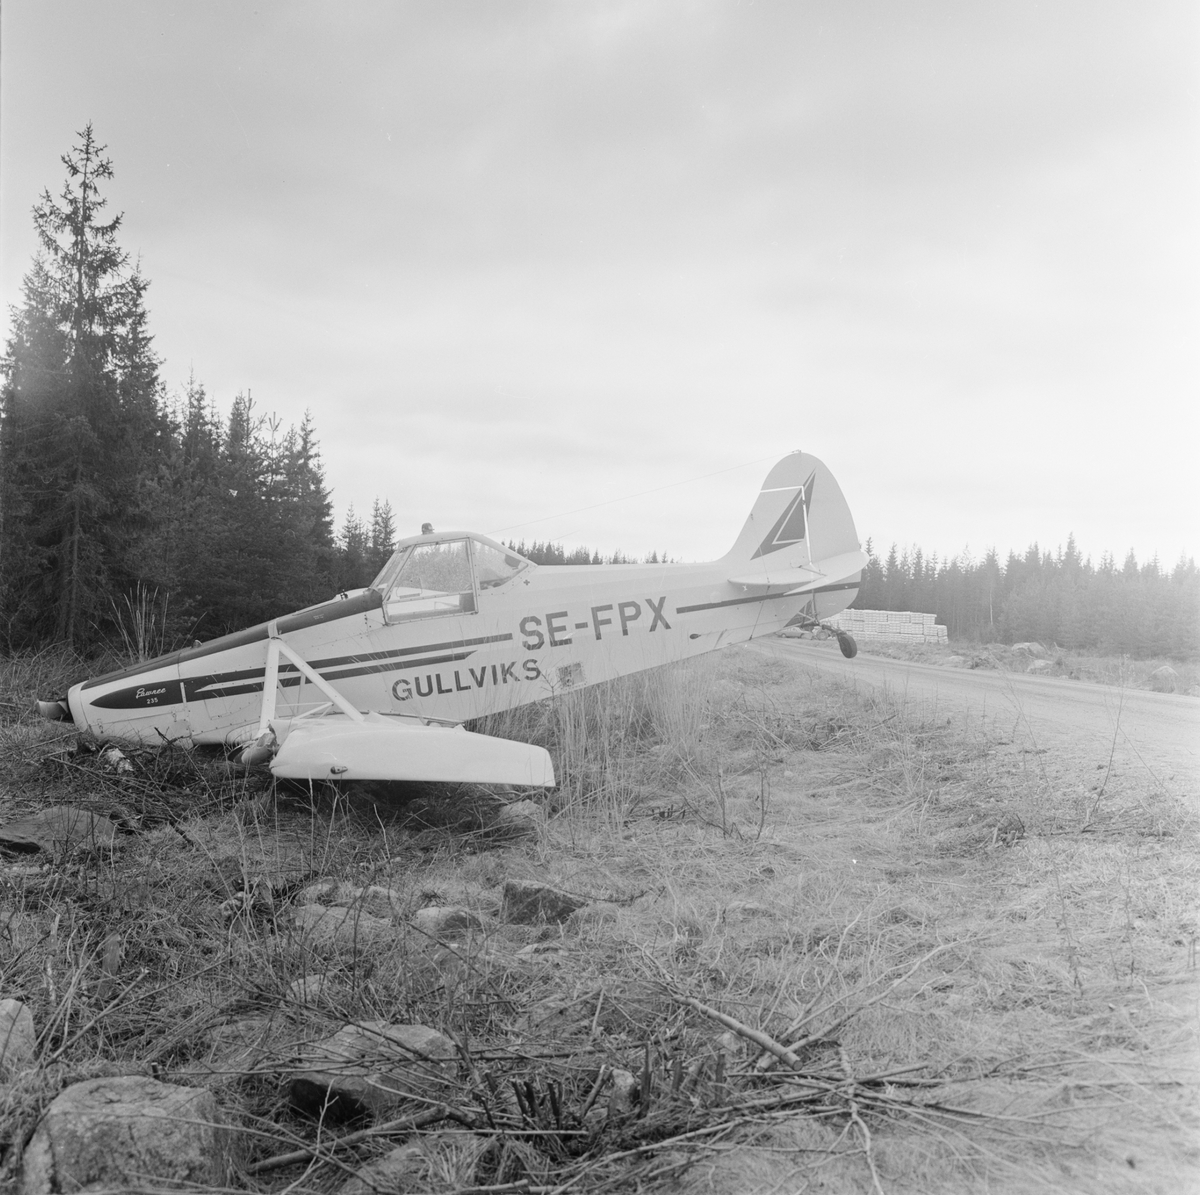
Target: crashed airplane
x: 375, y: 684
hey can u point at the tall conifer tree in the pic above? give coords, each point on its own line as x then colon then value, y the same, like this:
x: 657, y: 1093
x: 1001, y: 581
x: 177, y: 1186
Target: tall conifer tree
x: 81, y: 422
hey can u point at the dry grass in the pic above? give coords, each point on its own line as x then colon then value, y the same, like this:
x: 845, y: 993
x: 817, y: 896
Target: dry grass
x: 987, y: 984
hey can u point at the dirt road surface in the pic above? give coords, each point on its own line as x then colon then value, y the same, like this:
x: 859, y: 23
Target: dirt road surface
x: 1156, y: 734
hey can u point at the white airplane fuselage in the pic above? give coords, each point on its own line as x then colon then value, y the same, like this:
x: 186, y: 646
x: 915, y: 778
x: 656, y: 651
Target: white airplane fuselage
x: 457, y: 627
x: 548, y: 630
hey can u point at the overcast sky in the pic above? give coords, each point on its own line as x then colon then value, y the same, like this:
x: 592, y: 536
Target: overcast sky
x: 520, y: 259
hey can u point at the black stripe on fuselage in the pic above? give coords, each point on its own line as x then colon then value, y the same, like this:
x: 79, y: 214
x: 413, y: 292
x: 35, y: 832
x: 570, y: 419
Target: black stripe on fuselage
x: 765, y: 597
x: 340, y: 661
x: 215, y: 688
x: 742, y: 601
x: 202, y: 688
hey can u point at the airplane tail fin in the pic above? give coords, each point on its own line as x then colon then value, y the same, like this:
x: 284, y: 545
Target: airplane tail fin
x: 800, y: 518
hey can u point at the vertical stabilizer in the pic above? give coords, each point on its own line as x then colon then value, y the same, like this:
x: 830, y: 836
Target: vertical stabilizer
x: 799, y: 518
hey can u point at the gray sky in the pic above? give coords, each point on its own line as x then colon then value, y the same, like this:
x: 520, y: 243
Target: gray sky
x: 524, y: 258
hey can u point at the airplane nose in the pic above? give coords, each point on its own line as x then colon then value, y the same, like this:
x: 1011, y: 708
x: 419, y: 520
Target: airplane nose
x: 55, y: 711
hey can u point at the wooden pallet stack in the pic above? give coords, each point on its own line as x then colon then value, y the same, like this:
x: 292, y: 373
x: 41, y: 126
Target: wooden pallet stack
x: 903, y: 625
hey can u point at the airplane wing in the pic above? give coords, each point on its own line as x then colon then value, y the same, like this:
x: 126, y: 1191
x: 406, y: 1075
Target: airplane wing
x: 389, y: 748
x: 820, y: 572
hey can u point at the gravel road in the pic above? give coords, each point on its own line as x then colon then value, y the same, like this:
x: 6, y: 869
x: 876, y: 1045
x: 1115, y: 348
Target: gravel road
x: 1157, y: 733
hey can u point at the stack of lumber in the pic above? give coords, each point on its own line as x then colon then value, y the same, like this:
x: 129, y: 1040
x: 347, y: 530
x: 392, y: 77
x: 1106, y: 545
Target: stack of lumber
x: 867, y: 625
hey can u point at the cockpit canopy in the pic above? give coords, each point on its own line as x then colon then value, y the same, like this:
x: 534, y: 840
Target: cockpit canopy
x: 432, y: 575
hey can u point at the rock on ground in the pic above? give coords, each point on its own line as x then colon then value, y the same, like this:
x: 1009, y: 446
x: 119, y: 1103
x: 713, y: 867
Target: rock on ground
x: 242, y: 1045
x: 371, y: 1067
x: 445, y: 921
x: 624, y: 1093
x: 59, y: 828
x: 449, y: 1159
x: 375, y: 899
x: 526, y: 904
x: 1164, y: 679
x: 1039, y: 666
x: 308, y: 989
x: 124, y: 1133
x: 1029, y: 649
x: 745, y: 910
x: 18, y: 1041
x: 522, y: 816
x: 320, y: 892
x: 335, y: 926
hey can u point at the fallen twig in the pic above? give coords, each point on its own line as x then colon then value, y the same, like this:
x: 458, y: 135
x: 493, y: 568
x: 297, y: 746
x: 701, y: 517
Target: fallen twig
x: 403, y: 1124
x: 811, y: 1038
x: 760, y: 1039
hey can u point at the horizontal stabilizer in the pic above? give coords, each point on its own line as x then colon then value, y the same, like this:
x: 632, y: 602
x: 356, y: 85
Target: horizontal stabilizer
x: 830, y: 571
x: 382, y: 748
x: 778, y: 578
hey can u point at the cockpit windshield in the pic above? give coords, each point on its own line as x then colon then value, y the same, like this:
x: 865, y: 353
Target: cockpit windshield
x: 493, y: 565
x: 424, y: 580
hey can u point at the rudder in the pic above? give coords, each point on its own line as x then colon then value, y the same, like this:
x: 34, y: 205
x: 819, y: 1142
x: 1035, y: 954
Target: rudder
x: 800, y: 516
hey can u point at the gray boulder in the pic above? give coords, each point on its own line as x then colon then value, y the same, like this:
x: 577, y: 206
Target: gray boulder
x: 124, y: 1133
x: 1036, y: 650
x: 371, y: 1067
x: 522, y: 817
x: 319, y: 892
x: 59, y: 828
x: 242, y: 1045
x: 403, y: 1169
x: 1040, y: 666
x: 528, y: 904
x: 375, y: 899
x: 445, y: 921
x: 439, y: 1161
x: 18, y: 1041
x: 624, y: 1093
x: 1164, y: 679
x: 338, y: 927
x: 308, y: 989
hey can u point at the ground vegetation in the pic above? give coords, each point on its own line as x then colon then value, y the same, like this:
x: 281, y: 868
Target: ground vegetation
x: 810, y: 939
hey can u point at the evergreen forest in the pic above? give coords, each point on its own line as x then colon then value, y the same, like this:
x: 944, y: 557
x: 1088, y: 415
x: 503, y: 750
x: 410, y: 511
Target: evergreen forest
x: 1054, y: 598
x: 122, y: 502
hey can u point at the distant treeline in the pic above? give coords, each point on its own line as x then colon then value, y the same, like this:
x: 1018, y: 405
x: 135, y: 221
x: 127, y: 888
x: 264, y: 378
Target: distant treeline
x: 551, y: 553
x: 1139, y: 610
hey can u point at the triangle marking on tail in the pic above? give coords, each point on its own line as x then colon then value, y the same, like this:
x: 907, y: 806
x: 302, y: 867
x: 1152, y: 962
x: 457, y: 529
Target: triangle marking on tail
x: 792, y: 526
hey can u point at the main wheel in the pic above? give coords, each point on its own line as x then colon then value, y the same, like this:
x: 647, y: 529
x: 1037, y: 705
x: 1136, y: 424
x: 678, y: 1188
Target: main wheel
x: 847, y: 644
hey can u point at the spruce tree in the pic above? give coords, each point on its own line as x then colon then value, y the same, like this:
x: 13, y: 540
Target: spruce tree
x: 354, y: 544
x: 383, y: 538
x: 82, y: 429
